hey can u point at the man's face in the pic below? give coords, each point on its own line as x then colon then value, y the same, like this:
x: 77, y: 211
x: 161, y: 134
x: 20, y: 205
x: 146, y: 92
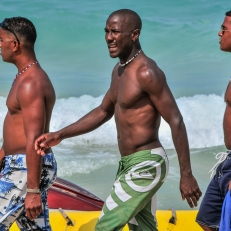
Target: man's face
x: 225, y: 35
x: 5, y: 44
x: 118, y: 36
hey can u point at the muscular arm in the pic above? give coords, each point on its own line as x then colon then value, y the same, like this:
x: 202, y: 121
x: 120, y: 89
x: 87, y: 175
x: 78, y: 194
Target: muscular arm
x: 90, y: 121
x: 87, y: 123
x: 32, y: 105
x: 153, y: 82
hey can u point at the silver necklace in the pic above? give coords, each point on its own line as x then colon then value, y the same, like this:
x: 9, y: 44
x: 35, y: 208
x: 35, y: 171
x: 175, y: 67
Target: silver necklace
x: 124, y: 64
x: 23, y: 70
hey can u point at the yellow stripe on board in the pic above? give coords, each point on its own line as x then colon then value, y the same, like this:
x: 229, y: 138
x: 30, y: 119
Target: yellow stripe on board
x: 85, y: 221
x: 185, y: 220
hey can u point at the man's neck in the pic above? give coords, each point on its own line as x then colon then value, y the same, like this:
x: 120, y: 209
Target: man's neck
x: 22, y: 61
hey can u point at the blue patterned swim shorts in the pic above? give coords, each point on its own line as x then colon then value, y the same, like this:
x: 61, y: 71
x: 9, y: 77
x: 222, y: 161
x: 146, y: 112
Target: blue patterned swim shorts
x: 13, y: 184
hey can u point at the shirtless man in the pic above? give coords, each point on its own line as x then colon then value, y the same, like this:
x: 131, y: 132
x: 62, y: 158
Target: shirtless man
x: 209, y: 214
x: 138, y: 96
x: 25, y: 176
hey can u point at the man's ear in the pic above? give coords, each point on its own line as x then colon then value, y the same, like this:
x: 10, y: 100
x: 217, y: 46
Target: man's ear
x: 15, y: 45
x: 135, y: 35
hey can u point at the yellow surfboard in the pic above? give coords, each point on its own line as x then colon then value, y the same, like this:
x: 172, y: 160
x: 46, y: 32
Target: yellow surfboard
x: 184, y: 220
x: 85, y: 221
x: 81, y: 209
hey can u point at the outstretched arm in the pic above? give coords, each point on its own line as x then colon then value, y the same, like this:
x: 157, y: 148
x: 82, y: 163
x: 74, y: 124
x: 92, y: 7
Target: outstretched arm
x: 154, y: 84
x: 87, y: 123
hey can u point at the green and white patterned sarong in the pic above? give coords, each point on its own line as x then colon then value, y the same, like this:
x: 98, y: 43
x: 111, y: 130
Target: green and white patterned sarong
x: 132, y: 199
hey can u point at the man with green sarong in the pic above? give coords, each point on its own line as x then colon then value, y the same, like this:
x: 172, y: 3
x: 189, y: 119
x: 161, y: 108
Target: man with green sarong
x: 137, y: 98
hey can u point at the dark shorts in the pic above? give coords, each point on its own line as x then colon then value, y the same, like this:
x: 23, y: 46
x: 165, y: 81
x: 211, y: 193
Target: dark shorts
x: 211, y: 206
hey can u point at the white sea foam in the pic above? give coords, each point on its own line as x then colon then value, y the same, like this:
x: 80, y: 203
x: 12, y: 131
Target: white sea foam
x: 202, y: 114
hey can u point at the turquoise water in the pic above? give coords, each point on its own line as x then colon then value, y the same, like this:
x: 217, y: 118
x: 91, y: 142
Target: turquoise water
x: 181, y: 36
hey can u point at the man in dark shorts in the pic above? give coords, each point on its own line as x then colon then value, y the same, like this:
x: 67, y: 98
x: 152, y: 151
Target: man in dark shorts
x: 137, y: 98
x: 25, y: 176
x: 209, y: 214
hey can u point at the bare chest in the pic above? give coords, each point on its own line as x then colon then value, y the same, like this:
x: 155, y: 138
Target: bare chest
x: 125, y: 91
x: 11, y: 102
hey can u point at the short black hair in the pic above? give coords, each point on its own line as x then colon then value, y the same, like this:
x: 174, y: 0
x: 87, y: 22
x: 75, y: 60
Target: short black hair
x: 134, y: 17
x: 228, y: 13
x: 22, y: 27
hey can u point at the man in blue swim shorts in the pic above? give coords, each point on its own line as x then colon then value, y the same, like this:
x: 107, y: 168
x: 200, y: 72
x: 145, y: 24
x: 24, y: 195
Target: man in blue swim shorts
x: 25, y: 176
x: 137, y: 98
x: 209, y: 214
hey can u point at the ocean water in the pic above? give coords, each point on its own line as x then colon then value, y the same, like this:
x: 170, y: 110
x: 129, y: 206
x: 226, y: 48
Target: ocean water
x: 181, y: 36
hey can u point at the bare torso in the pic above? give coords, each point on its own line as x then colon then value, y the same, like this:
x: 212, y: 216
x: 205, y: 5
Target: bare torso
x: 227, y: 118
x: 137, y: 119
x: 14, y: 137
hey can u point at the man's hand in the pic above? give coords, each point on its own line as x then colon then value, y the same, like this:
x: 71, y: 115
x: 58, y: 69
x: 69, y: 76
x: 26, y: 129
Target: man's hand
x: 45, y: 141
x: 190, y: 190
x: 33, y: 205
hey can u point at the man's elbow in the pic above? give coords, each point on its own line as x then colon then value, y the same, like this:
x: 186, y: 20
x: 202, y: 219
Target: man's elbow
x: 177, y: 122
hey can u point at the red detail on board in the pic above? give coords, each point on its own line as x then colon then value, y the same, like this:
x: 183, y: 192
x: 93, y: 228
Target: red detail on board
x: 66, y: 195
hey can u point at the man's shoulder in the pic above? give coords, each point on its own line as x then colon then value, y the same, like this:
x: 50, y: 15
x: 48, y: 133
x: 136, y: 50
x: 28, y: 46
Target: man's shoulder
x: 36, y: 78
x: 35, y: 84
x: 38, y: 74
x: 148, y: 69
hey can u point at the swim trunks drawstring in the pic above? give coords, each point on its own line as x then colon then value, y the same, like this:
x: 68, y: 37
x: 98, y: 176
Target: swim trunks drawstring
x: 221, y: 157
